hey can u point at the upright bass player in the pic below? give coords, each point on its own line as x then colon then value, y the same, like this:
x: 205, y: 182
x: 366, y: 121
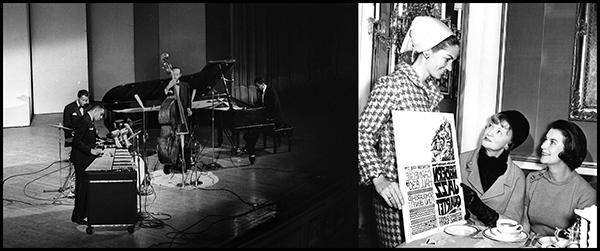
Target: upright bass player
x: 183, y: 88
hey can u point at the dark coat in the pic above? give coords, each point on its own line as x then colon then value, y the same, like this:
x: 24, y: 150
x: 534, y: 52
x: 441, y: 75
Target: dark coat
x: 185, y: 95
x: 83, y: 141
x: 273, y: 106
x: 71, y: 113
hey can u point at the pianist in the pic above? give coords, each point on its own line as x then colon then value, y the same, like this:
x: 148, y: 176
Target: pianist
x: 83, y: 154
x: 268, y: 98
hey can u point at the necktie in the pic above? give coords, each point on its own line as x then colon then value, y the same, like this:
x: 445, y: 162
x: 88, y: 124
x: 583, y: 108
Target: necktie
x: 81, y: 111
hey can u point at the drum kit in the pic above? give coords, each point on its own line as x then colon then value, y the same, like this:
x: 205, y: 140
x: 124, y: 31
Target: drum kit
x: 68, y: 186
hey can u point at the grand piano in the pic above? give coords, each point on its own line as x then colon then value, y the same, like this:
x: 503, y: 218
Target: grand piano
x: 231, y: 114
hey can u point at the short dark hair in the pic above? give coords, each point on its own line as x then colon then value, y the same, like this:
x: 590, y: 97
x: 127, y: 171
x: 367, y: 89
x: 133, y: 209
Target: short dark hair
x: 575, y: 143
x: 82, y: 93
x: 259, y: 80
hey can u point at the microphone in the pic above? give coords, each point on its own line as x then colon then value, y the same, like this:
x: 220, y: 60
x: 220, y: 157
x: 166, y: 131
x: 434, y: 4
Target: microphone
x: 139, y: 100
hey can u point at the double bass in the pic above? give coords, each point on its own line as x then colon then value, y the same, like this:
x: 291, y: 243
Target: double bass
x: 173, y: 125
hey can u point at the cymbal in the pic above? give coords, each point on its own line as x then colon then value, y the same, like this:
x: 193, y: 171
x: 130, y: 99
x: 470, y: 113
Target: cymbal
x: 138, y: 109
x: 61, y: 127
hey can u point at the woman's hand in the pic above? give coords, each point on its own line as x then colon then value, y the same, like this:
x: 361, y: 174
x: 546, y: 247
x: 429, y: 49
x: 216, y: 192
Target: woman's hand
x: 389, y: 191
x: 96, y: 151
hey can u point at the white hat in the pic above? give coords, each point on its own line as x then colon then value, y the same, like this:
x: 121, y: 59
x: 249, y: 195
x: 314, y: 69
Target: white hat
x: 424, y: 33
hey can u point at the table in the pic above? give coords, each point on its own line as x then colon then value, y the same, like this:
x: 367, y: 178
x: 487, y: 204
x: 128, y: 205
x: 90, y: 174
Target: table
x: 444, y: 240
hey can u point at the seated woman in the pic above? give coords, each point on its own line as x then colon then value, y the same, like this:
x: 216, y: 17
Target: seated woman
x: 493, y: 186
x: 554, y: 193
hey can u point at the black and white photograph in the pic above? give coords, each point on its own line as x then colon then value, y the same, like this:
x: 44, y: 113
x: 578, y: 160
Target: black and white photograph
x: 179, y: 125
x: 519, y: 80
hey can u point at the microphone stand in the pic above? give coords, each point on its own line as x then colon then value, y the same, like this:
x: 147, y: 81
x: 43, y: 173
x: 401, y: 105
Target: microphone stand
x: 191, y: 145
x: 140, y: 215
x: 214, y: 164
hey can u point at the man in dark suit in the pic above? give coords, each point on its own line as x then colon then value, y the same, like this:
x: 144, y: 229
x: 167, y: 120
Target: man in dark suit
x: 184, y: 90
x: 83, y: 154
x: 269, y: 99
x: 74, y: 111
x: 186, y: 102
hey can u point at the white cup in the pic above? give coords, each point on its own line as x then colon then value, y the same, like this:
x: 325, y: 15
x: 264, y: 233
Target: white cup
x: 508, y: 226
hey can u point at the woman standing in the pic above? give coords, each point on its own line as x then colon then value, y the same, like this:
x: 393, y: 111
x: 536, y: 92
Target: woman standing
x: 553, y: 193
x: 494, y: 187
x: 433, y: 47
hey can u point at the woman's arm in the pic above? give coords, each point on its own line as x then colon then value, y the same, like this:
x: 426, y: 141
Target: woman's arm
x: 375, y: 114
x: 514, y: 208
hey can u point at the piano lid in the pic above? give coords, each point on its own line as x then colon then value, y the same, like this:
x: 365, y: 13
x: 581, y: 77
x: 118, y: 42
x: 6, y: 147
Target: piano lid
x: 151, y: 92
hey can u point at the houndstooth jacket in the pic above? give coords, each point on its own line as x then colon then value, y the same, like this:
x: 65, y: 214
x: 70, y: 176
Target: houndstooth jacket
x: 400, y: 90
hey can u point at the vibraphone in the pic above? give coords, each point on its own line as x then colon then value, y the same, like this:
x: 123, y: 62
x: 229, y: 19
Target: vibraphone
x: 113, y: 160
x: 111, y: 198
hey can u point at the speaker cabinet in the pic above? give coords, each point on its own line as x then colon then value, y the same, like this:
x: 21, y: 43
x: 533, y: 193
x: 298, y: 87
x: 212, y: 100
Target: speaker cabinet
x: 111, y: 198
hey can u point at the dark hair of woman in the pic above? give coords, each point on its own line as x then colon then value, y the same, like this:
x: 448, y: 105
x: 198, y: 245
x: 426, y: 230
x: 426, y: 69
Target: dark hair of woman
x: 575, y: 143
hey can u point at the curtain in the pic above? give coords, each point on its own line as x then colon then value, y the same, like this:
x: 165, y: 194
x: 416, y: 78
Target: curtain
x: 294, y: 47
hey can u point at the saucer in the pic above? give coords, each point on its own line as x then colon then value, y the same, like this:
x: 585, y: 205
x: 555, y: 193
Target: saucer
x: 461, y: 230
x: 551, y: 241
x: 494, y: 234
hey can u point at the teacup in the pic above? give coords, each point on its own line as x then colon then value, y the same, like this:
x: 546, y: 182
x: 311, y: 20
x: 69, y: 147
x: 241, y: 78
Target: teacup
x: 508, y: 226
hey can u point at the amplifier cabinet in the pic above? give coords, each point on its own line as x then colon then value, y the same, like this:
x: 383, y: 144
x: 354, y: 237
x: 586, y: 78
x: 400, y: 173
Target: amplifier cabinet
x: 111, y: 199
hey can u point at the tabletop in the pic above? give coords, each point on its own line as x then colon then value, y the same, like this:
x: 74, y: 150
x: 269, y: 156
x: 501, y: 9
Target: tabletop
x: 445, y: 240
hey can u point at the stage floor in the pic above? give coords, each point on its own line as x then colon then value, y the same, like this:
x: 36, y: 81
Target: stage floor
x: 277, y: 189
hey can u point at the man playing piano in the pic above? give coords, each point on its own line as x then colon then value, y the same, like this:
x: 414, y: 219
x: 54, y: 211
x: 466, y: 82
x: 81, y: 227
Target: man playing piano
x: 83, y: 154
x: 268, y: 98
x: 74, y: 111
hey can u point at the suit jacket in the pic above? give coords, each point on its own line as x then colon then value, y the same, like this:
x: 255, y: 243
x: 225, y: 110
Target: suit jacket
x: 71, y: 114
x: 83, y: 141
x: 506, y: 195
x: 272, y: 105
x: 185, y: 95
